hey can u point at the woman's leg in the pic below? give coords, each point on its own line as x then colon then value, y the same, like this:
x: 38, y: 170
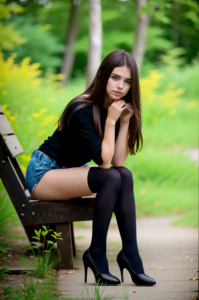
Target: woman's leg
x: 125, y: 213
x: 106, y: 183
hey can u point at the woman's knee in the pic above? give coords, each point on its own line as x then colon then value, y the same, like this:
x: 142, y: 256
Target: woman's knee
x: 98, y: 177
x: 125, y: 173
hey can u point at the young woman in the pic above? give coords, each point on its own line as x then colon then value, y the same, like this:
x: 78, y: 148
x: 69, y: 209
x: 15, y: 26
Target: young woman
x: 102, y: 124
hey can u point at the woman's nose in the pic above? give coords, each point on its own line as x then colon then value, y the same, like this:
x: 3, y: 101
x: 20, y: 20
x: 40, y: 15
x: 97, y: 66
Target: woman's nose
x: 120, y: 84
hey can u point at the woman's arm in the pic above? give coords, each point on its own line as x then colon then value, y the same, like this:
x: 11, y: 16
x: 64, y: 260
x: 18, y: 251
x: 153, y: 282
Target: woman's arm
x: 112, y: 152
x: 108, y: 143
x: 121, y: 146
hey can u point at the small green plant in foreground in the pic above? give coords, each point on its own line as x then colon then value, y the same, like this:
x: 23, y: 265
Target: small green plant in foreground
x: 3, y: 250
x: 42, y: 263
x: 97, y: 294
x: 3, y: 271
x: 31, y: 290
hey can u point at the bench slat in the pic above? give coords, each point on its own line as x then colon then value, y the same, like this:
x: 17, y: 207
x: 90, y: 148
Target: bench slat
x: 77, y: 209
x: 13, y: 145
x: 5, y: 127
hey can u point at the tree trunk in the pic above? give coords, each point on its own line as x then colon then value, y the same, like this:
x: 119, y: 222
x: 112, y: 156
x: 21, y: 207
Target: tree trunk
x: 95, y: 39
x: 71, y: 35
x: 140, y: 34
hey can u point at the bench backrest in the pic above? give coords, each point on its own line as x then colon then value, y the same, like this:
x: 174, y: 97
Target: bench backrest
x: 11, y: 173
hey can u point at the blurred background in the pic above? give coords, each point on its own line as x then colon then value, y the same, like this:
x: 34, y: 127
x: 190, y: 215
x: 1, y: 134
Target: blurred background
x: 50, y: 51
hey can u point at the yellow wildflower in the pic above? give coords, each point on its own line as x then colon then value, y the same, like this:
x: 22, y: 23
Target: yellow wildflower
x: 42, y: 132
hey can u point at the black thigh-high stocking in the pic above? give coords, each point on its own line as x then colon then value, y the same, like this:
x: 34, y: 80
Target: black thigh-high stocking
x: 125, y: 213
x: 106, y: 183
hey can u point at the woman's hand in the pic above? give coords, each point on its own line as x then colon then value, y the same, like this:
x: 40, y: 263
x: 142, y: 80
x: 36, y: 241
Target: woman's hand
x: 116, y: 109
x: 127, y: 113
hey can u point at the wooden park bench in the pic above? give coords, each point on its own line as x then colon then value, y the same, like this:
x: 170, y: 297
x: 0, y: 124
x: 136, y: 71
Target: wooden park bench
x: 60, y: 215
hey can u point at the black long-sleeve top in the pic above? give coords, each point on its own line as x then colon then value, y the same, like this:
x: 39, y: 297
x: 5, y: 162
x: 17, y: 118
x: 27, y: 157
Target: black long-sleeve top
x: 78, y: 144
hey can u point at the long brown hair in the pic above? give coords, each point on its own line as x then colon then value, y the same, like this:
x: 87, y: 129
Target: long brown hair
x: 96, y: 96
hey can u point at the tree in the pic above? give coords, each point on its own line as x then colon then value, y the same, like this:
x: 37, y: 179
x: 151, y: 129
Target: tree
x: 95, y: 39
x: 71, y: 36
x: 140, y: 33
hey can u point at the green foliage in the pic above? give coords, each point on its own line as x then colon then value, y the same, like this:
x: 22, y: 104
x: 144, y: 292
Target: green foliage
x: 42, y: 47
x: 32, y: 290
x: 6, y: 212
x: 96, y: 294
x: 29, y: 286
x: 9, y: 37
x: 187, y: 76
x: 3, y: 271
x: 158, y: 10
x: 41, y: 252
x: 3, y: 250
x: 173, y: 58
x: 172, y: 24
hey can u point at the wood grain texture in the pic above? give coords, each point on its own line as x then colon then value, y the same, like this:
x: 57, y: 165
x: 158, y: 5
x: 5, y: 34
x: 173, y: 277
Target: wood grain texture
x: 78, y: 209
x: 64, y: 247
x: 15, y: 191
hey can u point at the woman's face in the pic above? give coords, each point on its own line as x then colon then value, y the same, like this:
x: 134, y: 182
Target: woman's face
x: 119, y: 83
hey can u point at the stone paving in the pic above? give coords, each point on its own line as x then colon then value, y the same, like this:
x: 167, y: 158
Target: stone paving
x: 169, y: 255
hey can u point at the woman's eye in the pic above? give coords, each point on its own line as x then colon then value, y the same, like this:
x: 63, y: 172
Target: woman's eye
x: 114, y: 77
x: 129, y: 82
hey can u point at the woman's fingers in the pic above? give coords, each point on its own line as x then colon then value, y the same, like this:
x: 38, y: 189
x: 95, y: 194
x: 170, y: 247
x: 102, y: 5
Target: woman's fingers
x: 120, y: 103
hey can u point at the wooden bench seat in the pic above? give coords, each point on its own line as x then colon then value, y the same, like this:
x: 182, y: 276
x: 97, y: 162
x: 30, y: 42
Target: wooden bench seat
x: 60, y: 215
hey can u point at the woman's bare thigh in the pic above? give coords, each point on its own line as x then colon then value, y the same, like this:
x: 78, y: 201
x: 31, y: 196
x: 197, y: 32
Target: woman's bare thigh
x: 63, y: 184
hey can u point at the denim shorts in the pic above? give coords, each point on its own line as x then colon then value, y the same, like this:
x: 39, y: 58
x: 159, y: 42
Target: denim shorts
x: 39, y: 164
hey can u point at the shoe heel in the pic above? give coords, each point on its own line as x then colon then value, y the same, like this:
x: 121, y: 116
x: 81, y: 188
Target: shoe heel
x: 85, y: 272
x: 121, y: 271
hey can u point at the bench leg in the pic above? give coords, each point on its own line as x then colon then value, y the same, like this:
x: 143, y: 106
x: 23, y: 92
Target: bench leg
x: 73, y: 239
x: 64, y: 247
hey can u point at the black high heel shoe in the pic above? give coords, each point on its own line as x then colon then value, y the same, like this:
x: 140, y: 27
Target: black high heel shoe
x: 139, y: 279
x: 106, y: 279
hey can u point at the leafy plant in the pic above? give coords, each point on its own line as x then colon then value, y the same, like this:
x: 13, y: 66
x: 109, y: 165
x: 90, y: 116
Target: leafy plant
x: 42, y: 251
x: 3, y: 250
x: 29, y: 286
x: 3, y: 271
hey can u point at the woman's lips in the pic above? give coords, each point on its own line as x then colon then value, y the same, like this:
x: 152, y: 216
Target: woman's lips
x: 117, y: 93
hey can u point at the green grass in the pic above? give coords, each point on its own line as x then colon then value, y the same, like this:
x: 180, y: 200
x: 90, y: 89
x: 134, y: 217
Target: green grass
x: 190, y: 219
x: 80, y: 237
x: 32, y: 290
x: 81, y: 224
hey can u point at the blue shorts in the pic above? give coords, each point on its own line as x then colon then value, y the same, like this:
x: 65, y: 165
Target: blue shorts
x: 39, y: 164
